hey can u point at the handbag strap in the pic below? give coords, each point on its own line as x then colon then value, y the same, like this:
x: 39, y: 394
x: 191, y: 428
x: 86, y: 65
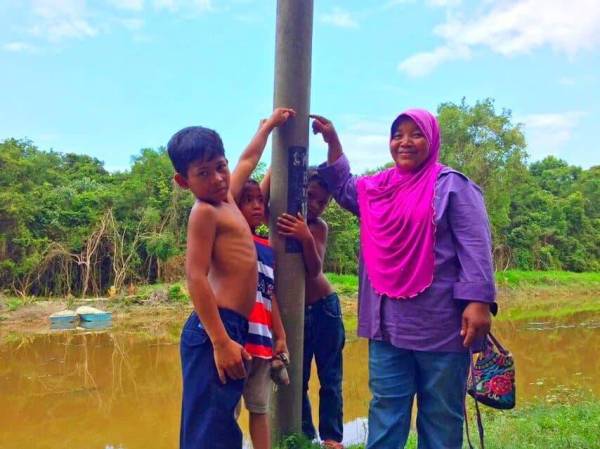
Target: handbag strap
x: 477, y: 412
x: 496, y: 343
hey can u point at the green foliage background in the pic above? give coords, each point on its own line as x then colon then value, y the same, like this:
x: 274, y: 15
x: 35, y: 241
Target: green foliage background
x: 69, y: 227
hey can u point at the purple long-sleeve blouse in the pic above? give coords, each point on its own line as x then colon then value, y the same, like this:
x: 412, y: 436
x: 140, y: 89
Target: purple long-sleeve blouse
x: 463, y: 269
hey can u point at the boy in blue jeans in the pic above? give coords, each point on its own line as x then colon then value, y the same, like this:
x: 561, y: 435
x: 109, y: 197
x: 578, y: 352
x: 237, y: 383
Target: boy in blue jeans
x: 324, y: 334
x: 222, y: 277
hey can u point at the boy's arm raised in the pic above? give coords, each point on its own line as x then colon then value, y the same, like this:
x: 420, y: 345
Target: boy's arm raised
x: 251, y: 155
x: 265, y: 189
x: 228, y: 354
x: 265, y: 186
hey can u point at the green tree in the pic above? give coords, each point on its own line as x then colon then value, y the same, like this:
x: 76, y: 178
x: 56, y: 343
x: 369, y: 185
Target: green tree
x: 490, y: 149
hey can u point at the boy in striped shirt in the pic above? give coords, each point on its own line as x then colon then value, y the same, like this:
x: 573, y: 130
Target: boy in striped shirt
x: 266, y: 335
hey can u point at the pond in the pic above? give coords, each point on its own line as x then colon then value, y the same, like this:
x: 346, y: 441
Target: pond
x: 120, y: 388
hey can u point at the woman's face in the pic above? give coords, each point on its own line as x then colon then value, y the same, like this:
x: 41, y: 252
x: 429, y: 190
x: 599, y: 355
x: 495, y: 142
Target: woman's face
x: 408, y: 146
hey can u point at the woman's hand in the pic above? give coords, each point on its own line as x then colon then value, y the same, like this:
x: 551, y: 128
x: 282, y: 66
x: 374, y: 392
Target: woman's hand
x: 290, y: 226
x: 323, y: 126
x: 476, y: 322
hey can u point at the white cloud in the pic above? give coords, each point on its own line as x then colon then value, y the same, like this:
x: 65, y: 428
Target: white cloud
x: 567, y: 81
x: 17, y: 47
x: 549, y: 133
x: 132, y: 24
x: 514, y: 27
x: 392, y: 3
x: 435, y: 3
x: 170, y: 5
x: 129, y: 5
x: 423, y: 63
x: 194, y: 6
x: 339, y: 18
x: 56, y: 20
x: 444, y: 3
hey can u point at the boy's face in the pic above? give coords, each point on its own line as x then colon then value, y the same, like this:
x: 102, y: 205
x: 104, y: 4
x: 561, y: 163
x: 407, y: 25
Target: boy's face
x: 317, y: 199
x: 207, y: 180
x: 252, y: 205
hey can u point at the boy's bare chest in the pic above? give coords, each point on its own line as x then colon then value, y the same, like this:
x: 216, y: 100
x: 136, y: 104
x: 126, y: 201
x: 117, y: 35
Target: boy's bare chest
x: 233, y: 239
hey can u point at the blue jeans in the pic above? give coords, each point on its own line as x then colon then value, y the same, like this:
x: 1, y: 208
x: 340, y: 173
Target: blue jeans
x: 438, y: 379
x: 324, y: 339
x: 208, y: 406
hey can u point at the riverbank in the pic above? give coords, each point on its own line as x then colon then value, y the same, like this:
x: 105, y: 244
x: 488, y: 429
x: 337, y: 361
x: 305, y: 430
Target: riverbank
x: 521, y: 296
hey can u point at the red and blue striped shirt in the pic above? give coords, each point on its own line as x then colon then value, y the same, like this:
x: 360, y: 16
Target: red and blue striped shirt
x: 260, y: 325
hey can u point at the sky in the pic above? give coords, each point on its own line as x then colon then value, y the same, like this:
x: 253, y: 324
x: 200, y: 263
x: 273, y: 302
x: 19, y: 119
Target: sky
x: 108, y: 78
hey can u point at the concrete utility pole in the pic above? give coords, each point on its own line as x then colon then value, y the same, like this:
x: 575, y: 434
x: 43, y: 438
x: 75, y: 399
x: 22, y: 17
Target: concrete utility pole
x: 288, y: 194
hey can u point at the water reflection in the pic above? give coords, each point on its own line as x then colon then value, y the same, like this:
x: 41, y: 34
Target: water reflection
x: 120, y: 388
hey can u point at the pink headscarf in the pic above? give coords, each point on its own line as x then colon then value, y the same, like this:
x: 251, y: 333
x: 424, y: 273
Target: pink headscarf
x: 397, y: 227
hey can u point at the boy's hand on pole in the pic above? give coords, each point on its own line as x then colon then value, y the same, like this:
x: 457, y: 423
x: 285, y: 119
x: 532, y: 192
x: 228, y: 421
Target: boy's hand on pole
x: 476, y: 322
x: 323, y: 126
x: 280, y: 116
x: 290, y: 226
x: 229, y: 360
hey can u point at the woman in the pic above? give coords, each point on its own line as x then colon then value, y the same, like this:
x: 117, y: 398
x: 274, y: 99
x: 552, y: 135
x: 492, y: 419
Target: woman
x: 426, y: 280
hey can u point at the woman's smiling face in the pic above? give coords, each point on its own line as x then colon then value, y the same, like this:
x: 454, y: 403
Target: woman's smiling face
x: 408, y: 146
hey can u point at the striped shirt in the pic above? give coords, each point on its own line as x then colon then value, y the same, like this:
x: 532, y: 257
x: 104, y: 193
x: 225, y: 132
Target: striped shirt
x: 260, y: 325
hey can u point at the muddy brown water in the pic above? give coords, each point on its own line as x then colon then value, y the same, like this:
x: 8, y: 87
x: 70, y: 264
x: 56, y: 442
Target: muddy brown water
x: 120, y: 388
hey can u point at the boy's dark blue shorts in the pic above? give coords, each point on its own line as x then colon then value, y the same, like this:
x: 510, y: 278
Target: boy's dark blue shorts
x: 208, y: 406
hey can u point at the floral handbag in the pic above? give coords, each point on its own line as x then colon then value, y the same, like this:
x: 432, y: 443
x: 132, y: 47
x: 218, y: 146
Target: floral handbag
x: 492, y: 377
x: 491, y: 382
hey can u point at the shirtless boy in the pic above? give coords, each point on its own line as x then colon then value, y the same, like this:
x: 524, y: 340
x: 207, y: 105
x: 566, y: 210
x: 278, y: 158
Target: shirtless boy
x: 324, y: 335
x: 221, y: 276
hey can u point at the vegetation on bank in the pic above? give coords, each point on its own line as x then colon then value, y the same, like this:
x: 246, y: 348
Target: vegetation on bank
x: 348, y: 283
x: 70, y: 227
x: 550, y: 279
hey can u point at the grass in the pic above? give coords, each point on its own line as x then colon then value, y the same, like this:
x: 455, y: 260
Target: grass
x: 530, y: 295
x: 558, y: 426
x: 518, y: 278
x: 344, y: 284
x: 348, y: 283
x: 301, y: 442
x: 563, y: 426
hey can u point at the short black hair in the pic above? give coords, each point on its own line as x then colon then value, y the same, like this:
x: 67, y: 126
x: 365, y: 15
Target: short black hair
x: 248, y: 182
x: 194, y: 143
x: 314, y: 176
